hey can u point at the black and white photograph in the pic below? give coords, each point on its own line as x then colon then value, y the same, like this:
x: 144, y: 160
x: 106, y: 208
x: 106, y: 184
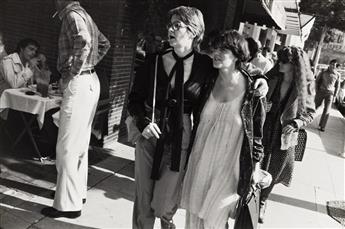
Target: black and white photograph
x: 172, y: 114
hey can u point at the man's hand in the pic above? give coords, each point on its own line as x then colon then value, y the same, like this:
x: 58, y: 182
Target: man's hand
x: 261, y: 87
x: 42, y: 58
x: 151, y: 130
x: 33, y: 63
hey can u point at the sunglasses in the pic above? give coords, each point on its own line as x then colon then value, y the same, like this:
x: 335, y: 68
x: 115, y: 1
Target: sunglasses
x: 176, y: 25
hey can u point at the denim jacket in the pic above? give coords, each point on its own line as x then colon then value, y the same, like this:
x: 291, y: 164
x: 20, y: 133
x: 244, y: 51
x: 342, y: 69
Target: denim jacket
x: 253, y: 115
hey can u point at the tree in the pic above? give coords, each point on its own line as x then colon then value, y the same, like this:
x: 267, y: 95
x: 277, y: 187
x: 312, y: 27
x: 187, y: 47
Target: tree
x: 329, y: 14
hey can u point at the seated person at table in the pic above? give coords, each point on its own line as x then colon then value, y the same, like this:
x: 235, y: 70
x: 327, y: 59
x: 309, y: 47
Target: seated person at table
x: 17, y: 69
x: 20, y: 69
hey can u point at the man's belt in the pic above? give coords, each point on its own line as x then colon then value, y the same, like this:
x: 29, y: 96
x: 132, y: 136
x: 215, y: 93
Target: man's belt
x: 89, y: 71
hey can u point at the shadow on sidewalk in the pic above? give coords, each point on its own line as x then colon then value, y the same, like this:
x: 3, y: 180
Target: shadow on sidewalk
x: 298, y: 203
x: 26, y: 212
x: 113, y: 163
x: 29, y: 168
x: 28, y: 188
x: 329, y: 137
x: 21, y: 173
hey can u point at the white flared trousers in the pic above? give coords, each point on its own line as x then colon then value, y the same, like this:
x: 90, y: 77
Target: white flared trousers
x: 78, y: 107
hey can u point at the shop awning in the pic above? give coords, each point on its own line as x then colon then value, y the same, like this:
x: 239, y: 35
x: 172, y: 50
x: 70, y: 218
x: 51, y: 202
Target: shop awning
x: 298, y: 24
x: 258, y: 11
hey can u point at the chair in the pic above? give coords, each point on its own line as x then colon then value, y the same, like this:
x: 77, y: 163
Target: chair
x: 99, y: 123
x: 103, y: 106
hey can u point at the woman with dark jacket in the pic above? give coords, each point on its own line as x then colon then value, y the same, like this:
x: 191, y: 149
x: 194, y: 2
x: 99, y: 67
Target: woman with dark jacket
x: 161, y: 150
x: 227, y: 149
x: 291, y: 103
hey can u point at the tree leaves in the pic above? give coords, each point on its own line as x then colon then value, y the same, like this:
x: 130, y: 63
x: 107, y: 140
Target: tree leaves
x: 330, y: 13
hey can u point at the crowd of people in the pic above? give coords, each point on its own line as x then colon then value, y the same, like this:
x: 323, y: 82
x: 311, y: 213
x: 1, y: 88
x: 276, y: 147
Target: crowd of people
x: 210, y: 121
x: 207, y: 164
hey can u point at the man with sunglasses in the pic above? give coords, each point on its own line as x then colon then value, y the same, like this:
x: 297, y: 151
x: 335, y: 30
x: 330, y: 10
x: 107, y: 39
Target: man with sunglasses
x: 327, y: 87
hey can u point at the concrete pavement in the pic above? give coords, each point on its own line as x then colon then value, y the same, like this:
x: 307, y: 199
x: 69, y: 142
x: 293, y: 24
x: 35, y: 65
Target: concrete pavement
x: 25, y: 187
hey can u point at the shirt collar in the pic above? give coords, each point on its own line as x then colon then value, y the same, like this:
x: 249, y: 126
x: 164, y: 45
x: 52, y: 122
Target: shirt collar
x: 67, y: 8
x: 16, y: 59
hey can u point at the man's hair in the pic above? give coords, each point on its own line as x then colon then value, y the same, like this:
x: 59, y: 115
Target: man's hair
x: 267, y: 49
x: 22, y: 44
x: 193, y: 19
x: 253, y: 48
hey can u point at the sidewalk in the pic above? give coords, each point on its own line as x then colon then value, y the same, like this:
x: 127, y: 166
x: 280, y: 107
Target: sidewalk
x: 25, y: 187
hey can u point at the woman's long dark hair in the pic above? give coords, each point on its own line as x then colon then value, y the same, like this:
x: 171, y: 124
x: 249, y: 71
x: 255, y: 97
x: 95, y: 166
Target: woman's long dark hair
x: 302, y: 73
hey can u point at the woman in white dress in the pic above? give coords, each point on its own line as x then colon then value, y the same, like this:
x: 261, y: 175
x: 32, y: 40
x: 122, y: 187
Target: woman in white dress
x: 227, y: 149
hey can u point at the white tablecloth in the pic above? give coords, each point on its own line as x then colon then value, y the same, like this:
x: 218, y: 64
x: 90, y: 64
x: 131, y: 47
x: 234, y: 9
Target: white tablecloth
x: 16, y: 99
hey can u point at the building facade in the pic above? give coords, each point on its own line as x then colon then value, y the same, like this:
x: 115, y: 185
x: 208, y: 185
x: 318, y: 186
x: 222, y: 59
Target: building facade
x: 123, y: 22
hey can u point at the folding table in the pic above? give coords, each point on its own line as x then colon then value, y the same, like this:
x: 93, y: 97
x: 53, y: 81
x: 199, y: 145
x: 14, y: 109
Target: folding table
x: 18, y: 100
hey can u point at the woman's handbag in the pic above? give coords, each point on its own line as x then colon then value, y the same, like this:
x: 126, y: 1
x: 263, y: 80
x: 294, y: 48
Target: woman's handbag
x: 133, y: 132
x: 301, y: 144
x: 248, y: 209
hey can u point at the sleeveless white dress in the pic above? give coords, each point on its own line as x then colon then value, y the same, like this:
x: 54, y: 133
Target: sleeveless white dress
x: 209, y: 191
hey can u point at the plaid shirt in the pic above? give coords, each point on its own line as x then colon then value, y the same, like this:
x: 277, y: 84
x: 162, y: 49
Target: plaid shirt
x: 81, y: 44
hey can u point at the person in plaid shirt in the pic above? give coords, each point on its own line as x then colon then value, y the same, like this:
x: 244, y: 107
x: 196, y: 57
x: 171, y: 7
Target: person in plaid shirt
x: 81, y: 47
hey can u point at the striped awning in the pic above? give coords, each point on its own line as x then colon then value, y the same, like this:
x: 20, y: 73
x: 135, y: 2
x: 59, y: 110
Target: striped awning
x: 264, y: 12
x: 295, y: 22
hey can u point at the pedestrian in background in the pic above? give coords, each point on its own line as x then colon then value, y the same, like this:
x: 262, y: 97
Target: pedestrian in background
x: 327, y: 88
x: 227, y: 149
x: 81, y: 47
x: 291, y: 103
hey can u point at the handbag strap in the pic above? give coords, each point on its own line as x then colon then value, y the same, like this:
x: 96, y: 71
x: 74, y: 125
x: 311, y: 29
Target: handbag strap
x: 154, y: 90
